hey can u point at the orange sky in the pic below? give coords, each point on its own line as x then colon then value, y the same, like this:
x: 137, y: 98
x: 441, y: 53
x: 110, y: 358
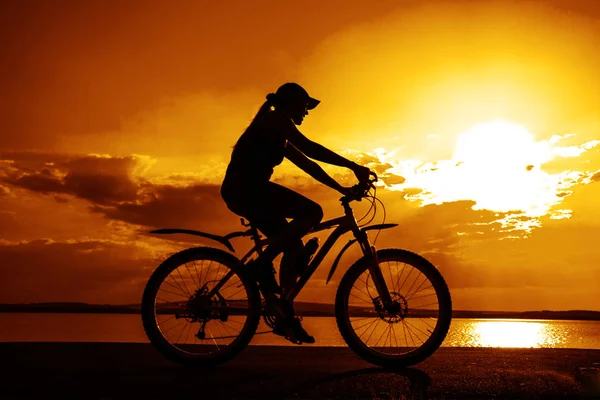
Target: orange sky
x: 481, y: 116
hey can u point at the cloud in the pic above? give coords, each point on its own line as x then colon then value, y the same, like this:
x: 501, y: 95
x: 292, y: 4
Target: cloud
x: 86, y: 270
x: 98, y: 178
x: 119, y: 189
x: 4, y: 191
x: 196, y: 206
x: 445, y: 233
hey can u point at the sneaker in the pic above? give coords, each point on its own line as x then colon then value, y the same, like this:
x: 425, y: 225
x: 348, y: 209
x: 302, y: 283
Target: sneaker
x: 300, y: 332
x: 293, y: 331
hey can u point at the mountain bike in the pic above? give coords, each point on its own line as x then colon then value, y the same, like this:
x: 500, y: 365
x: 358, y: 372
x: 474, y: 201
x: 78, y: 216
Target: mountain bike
x: 202, y: 307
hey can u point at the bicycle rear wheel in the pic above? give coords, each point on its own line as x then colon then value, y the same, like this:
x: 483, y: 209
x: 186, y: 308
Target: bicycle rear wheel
x: 190, y: 323
x: 411, y: 329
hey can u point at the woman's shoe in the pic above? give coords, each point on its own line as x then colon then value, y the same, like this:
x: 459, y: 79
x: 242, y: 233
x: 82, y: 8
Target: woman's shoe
x: 292, y: 330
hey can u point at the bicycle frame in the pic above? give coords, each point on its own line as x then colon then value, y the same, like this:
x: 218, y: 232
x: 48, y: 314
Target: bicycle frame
x: 342, y: 225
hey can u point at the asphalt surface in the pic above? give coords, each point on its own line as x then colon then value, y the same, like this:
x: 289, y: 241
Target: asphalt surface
x: 135, y: 371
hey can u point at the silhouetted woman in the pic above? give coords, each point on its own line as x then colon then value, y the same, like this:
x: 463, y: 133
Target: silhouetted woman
x: 248, y: 191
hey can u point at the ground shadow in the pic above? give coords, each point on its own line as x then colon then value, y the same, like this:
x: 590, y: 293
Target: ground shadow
x: 373, y: 382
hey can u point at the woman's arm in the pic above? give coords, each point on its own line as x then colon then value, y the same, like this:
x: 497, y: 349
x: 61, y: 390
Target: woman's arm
x: 311, y: 168
x: 319, y: 152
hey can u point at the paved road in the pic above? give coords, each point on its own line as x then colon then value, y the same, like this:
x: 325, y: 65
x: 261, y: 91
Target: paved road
x: 131, y: 371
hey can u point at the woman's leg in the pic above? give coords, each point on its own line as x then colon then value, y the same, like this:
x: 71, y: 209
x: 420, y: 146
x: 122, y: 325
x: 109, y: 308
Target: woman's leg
x: 268, y: 212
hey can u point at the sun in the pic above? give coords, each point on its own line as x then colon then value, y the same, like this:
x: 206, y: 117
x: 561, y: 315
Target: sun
x: 500, y: 146
x: 500, y: 167
x: 496, y: 164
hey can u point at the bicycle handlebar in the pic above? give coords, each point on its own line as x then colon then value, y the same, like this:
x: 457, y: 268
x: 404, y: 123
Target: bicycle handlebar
x: 361, y: 189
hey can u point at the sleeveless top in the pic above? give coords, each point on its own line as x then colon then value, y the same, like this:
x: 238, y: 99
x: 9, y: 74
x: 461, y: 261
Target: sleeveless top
x: 257, y: 152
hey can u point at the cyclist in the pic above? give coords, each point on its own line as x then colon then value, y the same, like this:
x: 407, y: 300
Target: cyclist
x: 248, y: 191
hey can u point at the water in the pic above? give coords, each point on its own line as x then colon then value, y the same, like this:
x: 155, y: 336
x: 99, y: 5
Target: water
x: 48, y: 327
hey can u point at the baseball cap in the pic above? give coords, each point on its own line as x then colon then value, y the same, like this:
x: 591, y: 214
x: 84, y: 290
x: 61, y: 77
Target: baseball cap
x: 292, y: 91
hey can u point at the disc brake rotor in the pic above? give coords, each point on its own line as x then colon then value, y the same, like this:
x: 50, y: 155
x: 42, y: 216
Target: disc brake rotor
x: 394, y: 312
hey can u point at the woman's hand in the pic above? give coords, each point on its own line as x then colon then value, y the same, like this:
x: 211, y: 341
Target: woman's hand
x: 362, y: 173
x: 346, y: 191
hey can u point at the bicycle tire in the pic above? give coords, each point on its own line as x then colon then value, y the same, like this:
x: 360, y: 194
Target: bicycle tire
x: 371, y: 354
x: 153, y: 330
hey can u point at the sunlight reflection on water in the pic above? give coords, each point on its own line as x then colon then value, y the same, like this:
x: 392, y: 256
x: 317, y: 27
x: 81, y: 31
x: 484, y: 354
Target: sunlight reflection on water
x: 509, y: 333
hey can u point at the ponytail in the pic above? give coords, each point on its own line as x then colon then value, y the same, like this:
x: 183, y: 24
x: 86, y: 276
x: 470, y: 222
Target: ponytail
x: 262, y: 111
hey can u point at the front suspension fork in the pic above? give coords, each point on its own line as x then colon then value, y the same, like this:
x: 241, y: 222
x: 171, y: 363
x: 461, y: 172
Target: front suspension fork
x: 377, y: 276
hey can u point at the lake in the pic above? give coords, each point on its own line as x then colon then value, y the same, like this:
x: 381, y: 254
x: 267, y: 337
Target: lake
x: 464, y: 332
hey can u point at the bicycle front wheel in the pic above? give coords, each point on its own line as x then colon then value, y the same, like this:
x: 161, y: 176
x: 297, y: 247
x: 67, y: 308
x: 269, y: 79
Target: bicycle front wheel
x: 406, y: 332
x: 199, y: 309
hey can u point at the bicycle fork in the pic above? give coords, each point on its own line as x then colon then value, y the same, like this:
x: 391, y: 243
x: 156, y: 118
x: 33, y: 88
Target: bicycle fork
x: 371, y: 253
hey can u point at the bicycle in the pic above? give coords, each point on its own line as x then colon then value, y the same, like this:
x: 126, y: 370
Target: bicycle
x: 415, y: 313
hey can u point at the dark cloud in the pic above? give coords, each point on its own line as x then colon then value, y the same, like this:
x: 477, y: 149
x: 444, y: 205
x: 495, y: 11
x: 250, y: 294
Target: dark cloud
x: 60, y: 199
x: 91, y: 271
x: 99, y: 179
x: 114, y: 188
x: 193, y: 207
x: 44, y: 181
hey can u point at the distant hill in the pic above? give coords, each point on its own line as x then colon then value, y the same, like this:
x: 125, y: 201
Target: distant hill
x: 302, y: 308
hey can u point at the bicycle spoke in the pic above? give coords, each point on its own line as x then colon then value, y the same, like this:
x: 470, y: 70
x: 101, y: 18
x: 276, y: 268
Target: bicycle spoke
x: 409, y: 274
x: 184, y: 284
x: 399, y: 277
x: 363, y: 325
x: 360, y: 298
x: 239, y: 282
x: 197, y: 273
x: 359, y: 319
x: 391, y: 278
x: 413, y: 284
x: 229, y: 327
x: 376, y: 343
x: 213, y: 339
x: 207, y: 271
x: 192, y: 276
x: 173, y: 293
x: 185, y: 337
x: 176, y: 287
x: 415, y: 327
x: 374, y: 329
x: 395, y: 338
x: 426, y: 305
x: 241, y: 290
x: 430, y: 328
x: 409, y: 333
x: 420, y: 297
x: 409, y: 295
